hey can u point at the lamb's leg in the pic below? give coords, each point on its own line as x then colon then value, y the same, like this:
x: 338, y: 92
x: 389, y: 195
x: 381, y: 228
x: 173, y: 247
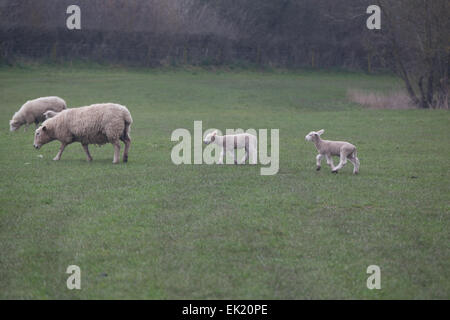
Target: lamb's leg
x: 116, y: 151
x: 342, y: 162
x: 221, y: 157
x: 227, y: 153
x: 245, y: 158
x: 253, y: 155
x: 86, y: 149
x: 355, y: 161
x: 246, y: 155
x: 330, y: 161
x: 61, y: 149
x: 247, y: 150
x: 318, y: 159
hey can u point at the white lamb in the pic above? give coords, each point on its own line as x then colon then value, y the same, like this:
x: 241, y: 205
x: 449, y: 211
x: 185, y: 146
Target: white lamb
x: 33, y: 111
x: 231, y: 142
x: 328, y: 149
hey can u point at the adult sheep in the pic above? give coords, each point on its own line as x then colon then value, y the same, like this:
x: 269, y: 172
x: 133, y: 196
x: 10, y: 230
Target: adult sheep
x: 33, y: 111
x: 94, y: 124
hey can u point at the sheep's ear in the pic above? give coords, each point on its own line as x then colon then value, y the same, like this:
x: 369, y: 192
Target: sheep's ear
x: 320, y: 132
x: 49, y: 114
x: 214, y: 133
x: 44, y: 128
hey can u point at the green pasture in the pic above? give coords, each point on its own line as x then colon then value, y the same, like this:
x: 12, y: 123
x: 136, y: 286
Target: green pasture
x: 149, y: 229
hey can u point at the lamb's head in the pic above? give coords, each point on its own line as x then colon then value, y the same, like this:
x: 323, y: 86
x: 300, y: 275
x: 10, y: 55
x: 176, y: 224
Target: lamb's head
x: 42, y: 136
x: 210, y: 137
x: 314, y: 135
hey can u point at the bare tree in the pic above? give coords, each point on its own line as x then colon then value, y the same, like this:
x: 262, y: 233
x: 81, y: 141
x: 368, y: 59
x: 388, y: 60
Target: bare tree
x: 417, y: 37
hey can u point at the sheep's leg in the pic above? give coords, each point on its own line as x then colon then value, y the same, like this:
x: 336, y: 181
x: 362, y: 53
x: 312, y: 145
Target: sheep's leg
x: 342, y: 162
x: 318, y: 159
x: 330, y: 161
x: 116, y: 152
x: 61, y: 149
x: 86, y: 149
x: 127, y: 148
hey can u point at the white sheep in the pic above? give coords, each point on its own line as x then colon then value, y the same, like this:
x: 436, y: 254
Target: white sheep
x: 328, y: 149
x: 232, y: 142
x: 33, y: 111
x: 94, y: 124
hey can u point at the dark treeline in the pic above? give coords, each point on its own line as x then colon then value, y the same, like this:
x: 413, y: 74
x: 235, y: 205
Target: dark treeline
x: 414, y: 40
x: 285, y: 33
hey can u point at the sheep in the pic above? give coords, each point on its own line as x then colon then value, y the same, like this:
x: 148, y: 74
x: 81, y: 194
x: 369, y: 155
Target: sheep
x: 94, y: 124
x: 328, y: 149
x: 236, y: 141
x: 33, y: 111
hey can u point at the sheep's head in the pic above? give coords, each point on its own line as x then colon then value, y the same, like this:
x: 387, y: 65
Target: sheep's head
x: 314, y: 135
x: 210, y: 137
x: 42, y: 136
x: 14, y: 125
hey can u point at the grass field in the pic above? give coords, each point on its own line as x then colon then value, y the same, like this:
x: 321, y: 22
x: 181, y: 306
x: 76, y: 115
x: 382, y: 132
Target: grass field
x: 150, y: 229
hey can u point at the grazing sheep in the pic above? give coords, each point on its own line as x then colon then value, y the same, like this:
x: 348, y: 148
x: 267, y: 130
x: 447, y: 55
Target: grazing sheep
x: 33, y: 111
x: 328, y: 149
x: 234, y: 141
x: 94, y: 124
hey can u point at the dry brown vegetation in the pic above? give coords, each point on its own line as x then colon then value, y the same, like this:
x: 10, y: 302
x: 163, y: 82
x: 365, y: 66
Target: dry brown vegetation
x: 393, y: 100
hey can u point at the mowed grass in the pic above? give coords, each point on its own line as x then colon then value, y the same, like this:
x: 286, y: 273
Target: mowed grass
x: 150, y: 229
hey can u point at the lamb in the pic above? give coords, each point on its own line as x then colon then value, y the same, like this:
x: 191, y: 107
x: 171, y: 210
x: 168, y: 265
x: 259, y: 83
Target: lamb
x: 94, y: 124
x: 33, y: 111
x: 328, y: 149
x: 234, y: 141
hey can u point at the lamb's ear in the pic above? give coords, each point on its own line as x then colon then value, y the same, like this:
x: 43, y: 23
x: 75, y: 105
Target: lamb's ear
x: 320, y: 132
